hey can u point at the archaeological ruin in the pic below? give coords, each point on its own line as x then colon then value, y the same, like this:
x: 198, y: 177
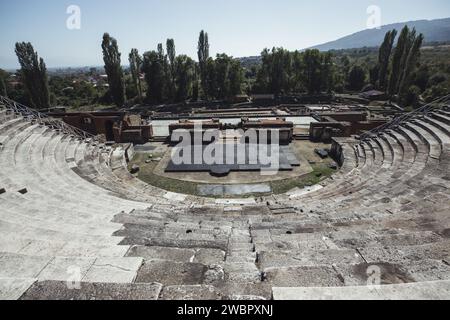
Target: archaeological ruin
x: 71, y: 210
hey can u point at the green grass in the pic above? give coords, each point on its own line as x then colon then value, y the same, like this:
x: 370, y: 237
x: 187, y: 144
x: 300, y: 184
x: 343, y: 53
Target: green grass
x: 319, y: 173
x: 146, y: 174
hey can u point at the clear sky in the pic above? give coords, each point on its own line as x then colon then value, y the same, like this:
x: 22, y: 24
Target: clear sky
x: 236, y: 27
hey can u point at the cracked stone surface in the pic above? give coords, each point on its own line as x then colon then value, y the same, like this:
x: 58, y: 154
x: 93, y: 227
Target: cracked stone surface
x: 112, y: 270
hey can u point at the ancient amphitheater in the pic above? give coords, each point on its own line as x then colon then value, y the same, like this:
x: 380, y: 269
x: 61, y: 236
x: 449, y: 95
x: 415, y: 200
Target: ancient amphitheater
x: 70, y: 211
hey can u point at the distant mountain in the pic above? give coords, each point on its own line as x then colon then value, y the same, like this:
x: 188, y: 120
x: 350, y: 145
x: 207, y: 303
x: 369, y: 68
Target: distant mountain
x: 433, y: 30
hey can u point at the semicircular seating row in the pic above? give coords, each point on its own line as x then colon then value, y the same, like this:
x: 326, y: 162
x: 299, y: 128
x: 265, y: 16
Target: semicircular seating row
x: 74, y: 224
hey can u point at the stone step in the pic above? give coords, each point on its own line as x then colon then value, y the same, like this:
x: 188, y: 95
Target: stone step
x: 436, y: 290
x: 295, y: 258
x: 242, y: 272
x: 171, y: 273
x: 61, y: 290
x: 176, y: 243
x: 14, y: 288
x: 205, y: 256
x: 111, y: 270
x: 399, y: 254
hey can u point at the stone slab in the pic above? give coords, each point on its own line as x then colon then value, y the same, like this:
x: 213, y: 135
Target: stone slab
x: 232, y: 190
x: 190, y: 292
x: 21, y: 266
x: 66, y: 269
x: 301, y: 192
x: 320, y: 276
x: 235, y: 201
x: 171, y: 273
x: 113, y: 270
x: 437, y: 290
x: 58, y: 290
x: 13, y: 288
x: 268, y: 259
x: 163, y: 253
x: 175, y: 196
x: 209, y: 256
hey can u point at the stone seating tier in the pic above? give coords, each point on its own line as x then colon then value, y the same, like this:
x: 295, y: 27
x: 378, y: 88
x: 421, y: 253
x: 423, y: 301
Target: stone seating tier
x: 72, y: 203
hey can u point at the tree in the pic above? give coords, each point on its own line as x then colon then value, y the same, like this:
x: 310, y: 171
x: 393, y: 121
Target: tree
x: 345, y: 62
x: 396, y: 61
x: 410, y: 64
x: 384, y: 58
x: 411, y: 97
x: 422, y: 77
x: 154, y: 69
x: 210, y: 89
x: 236, y: 77
x: 203, y: 56
x: 111, y: 57
x: 313, y: 71
x: 135, y: 69
x: 196, y: 84
x: 3, y: 88
x: 284, y: 72
x: 222, y: 71
x: 275, y: 74
x: 34, y: 75
x: 327, y: 72
x: 3, y: 76
x: 356, y: 78
x: 171, y: 54
x: 227, y: 77
x: 184, y: 76
x: 374, y: 74
x: 404, y: 63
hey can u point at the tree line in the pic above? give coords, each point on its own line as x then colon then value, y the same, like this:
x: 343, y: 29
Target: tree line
x: 168, y: 77
x: 161, y: 76
x: 284, y: 72
x: 172, y: 78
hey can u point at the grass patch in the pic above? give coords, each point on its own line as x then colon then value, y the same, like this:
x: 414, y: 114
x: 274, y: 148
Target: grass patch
x: 320, y: 172
x: 146, y: 174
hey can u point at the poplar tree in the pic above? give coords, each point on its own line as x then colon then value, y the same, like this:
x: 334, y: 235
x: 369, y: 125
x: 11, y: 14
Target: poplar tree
x: 34, y: 75
x: 153, y: 68
x: 111, y: 57
x: 396, y: 61
x: 135, y: 69
x: 203, y: 56
x: 384, y: 58
x: 410, y: 40
x: 410, y: 65
x: 184, y: 76
x: 171, y: 55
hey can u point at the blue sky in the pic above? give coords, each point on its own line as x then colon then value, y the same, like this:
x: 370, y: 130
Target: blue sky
x: 236, y: 27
